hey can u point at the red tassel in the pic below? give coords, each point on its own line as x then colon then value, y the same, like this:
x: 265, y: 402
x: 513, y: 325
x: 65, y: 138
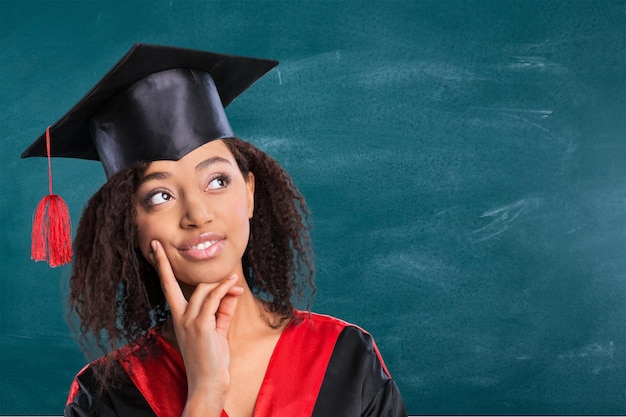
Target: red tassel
x: 51, y: 235
x: 51, y: 238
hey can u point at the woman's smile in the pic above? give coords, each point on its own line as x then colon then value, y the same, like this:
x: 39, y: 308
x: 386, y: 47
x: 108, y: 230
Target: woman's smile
x: 204, y: 247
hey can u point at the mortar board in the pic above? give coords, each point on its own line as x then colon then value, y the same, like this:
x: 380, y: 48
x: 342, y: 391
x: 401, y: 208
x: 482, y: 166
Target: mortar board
x: 156, y: 103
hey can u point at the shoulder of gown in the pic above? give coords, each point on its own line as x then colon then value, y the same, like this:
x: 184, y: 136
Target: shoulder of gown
x: 357, y: 382
x: 87, y: 400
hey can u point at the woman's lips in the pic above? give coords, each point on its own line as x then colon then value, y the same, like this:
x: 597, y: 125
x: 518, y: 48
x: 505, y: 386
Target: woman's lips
x: 205, y: 246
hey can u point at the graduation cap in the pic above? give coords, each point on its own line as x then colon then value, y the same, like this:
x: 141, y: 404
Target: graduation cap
x: 156, y: 103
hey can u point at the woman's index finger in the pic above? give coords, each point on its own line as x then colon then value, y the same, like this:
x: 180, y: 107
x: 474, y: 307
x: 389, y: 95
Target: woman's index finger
x: 171, y: 289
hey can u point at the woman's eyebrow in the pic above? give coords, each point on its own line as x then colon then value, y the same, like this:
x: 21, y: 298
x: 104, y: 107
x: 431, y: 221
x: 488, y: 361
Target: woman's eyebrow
x: 213, y: 160
x: 202, y: 165
x: 155, y: 176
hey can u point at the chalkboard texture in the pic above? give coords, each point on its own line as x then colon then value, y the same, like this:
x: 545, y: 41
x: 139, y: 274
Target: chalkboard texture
x: 465, y: 162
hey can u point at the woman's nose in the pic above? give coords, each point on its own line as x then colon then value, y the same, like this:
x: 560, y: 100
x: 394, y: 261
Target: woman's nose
x: 197, y: 210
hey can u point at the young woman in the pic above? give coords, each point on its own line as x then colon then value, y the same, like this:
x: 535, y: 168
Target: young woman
x: 188, y: 258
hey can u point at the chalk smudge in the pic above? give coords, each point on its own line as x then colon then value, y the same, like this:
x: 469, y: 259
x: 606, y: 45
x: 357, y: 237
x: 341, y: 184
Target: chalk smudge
x: 502, y: 218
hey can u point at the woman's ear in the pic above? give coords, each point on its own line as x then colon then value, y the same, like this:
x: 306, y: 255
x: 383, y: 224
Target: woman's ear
x: 250, y: 186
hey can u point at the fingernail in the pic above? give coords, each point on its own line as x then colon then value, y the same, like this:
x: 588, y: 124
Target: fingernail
x: 233, y: 277
x: 153, y: 245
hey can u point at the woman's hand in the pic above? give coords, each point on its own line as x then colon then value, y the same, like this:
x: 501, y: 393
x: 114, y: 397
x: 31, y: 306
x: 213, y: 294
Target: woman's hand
x: 201, y: 326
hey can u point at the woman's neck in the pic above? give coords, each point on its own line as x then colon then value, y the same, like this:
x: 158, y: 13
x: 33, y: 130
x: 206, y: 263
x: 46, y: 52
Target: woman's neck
x: 253, y: 318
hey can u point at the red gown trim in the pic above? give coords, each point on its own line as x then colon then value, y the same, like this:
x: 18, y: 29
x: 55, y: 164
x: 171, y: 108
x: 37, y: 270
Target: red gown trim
x: 296, y: 370
x: 291, y: 384
x: 160, y: 378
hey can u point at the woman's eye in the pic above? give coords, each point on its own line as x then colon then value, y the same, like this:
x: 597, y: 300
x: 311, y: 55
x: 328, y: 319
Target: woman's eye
x: 217, y: 183
x: 158, y: 198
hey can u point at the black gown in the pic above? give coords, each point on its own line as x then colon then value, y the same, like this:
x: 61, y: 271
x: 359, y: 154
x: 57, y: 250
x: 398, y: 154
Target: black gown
x: 321, y: 367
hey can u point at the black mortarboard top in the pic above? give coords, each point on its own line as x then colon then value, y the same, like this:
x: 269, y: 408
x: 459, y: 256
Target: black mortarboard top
x: 157, y: 102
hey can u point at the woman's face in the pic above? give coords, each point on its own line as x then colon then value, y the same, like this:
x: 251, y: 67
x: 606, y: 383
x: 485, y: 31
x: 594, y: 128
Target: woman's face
x: 198, y: 208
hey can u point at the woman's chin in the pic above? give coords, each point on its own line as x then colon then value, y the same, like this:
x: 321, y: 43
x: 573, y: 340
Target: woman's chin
x: 194, y: 278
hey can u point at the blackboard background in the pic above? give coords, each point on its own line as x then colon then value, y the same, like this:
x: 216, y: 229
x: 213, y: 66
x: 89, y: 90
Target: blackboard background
x: 464, y: 161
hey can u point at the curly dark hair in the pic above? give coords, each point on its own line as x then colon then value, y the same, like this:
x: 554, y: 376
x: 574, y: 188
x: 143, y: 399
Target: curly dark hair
x: 115, y: 293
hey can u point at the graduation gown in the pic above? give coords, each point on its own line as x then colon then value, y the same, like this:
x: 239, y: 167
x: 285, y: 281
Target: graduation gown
x: 320, y: 367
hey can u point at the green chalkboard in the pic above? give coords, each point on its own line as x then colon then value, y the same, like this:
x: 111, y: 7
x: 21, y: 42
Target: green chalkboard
x: 465, y: 162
